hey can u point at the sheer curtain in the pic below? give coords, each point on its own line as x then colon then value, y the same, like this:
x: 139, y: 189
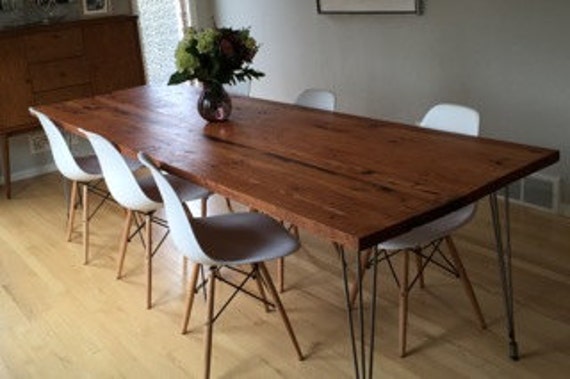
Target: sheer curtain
x: 161, y: 25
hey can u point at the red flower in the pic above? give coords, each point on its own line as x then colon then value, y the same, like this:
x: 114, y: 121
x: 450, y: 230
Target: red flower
x: 227, y: 48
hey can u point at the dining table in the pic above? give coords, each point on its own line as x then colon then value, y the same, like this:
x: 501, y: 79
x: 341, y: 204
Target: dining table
x: 356, y: 181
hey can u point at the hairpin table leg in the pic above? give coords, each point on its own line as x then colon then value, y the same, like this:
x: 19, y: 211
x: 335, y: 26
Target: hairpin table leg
x: 360, y: 365
x: 503, y: 242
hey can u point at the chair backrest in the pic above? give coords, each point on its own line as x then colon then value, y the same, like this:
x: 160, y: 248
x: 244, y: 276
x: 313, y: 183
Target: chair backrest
x: 121, y: 181
x: 452, y: 118
x: 317, y: 98
x: 178, y: 220
x: 62, y: 156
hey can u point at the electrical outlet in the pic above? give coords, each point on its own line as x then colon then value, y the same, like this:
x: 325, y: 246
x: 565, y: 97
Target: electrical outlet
x: 38, y: 142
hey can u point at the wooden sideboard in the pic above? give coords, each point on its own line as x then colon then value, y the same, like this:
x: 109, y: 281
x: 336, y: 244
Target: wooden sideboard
x: 42, y: 64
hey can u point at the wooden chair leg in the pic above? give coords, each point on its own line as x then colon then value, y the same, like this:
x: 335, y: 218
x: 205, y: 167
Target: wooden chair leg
x: 229, y: 205
x: 259, y: 282
x: 71, y: 210
x: 465, y: 280
x: 358, y: 281
x: 209, y: 323
x: 273, y: 291
x: 148, y: 255
x: 85, y: 221
x: 281, y: 274
x: 190, y: 295
x: 403, y: 319
x: 124, y: 241
x: 419, y: 264
x: 294, y: 230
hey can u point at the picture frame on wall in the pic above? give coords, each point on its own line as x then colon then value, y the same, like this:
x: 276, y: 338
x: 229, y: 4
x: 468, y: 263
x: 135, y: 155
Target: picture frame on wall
x: 368, y: 6
x: 95, y: 7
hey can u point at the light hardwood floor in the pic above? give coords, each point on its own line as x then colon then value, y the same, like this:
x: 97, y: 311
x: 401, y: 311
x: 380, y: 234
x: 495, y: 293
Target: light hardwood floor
x: 62, y: 319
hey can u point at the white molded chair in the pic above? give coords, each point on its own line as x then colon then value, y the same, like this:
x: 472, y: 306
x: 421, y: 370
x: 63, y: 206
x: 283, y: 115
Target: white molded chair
x: 449, y: 118
x: 317, y: 99
x: 84, y: 171
x: 247, y: 238
x: 138, y: 195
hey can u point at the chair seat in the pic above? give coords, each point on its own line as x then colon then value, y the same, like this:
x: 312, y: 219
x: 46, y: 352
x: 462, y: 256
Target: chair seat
x: 431, y: 231
x: 243, y: 238
x: 185, y: 190
x: 90, y: 165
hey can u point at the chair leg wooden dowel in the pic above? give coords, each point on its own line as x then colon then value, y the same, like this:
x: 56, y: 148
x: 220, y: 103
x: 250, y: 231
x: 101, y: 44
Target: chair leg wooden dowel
x: 358, y: 281
x: 273, y: 291
x: 71, y: 210
x: 420, y: 271
x: 209, y: 323
x: 85, y: 221
x: 190, y: 296
x: 259, y: 281
x: 124, y: 241
x: 466, y: 282
x: 403, y: 317
x: 229, y: 205
x: 294, y: 230
x: 148, y: 256
x: 281, y: 274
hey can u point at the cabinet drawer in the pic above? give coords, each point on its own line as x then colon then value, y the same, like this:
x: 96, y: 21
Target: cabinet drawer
x: 58, y: 74
x: 55, y: 44
x: 62, y: 94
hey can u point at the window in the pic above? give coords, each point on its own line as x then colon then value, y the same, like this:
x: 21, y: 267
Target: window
x: 161, y: 24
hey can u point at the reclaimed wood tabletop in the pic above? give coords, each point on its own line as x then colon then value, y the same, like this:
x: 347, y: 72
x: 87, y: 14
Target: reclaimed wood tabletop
x: 354, y: 180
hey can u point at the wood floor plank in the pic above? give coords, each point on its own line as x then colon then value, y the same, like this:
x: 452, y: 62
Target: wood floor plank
x: 62, y: 319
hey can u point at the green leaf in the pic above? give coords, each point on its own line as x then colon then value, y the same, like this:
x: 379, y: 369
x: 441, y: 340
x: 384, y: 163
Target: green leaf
x: 177, y: 78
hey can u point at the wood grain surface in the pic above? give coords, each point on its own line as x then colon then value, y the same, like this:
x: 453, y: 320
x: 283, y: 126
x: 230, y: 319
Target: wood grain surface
x: 354, y: 180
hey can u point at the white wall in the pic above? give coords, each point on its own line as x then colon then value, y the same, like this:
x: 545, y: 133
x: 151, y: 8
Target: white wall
x: 510, y: 59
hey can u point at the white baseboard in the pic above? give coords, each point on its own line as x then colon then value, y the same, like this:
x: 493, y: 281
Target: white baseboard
x: 31, y: 173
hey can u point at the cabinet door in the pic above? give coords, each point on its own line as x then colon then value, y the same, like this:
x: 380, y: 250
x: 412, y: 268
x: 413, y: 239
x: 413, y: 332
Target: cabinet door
x: 50, y: 45
x: 113, y: 51
x: 15, y: 87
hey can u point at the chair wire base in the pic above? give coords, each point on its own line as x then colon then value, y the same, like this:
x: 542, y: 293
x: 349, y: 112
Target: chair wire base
x: 427, y: 258
x: 252, y: 274
x: 93, y: 187
x: 139, y: 231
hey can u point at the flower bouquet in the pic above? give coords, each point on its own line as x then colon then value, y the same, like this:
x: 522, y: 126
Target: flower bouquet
x: 215, y: 56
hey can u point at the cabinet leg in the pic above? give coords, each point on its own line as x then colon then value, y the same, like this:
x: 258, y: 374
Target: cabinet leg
x: 5, y: 153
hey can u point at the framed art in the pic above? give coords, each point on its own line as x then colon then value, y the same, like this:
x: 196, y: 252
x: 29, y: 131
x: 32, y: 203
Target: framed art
x: 94, y: 7
x: 368, y: 6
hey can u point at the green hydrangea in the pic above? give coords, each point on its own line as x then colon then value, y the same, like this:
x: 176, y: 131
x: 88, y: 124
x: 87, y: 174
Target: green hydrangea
x: 189, y: 35
x: 218, y: 55
x: 207, y: 40
x: 185, y: 60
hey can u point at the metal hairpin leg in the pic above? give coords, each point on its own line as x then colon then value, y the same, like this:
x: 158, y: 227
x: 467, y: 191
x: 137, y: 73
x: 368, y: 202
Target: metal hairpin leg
x: 360, y: 365
x: 503, y: 243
